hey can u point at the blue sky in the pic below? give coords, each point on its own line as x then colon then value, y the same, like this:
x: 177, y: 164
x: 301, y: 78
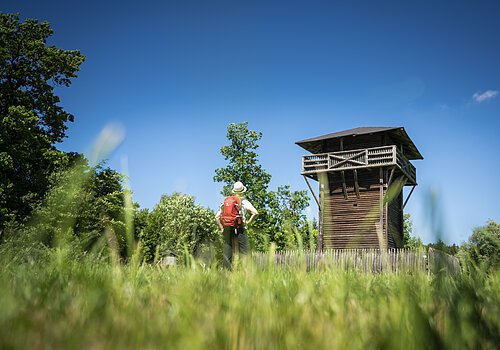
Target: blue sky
x: 176, y: 73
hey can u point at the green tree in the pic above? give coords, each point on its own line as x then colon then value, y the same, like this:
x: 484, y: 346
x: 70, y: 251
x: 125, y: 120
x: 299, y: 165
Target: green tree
x: 483, y: 246
x: 87, y: 201
x: 177, y: 224
x: 140, y: 221
x: 286, y: 216
x: 85, y: 206
x: 445, y: 248
x: 243, y: 164
x: 410, y: 241
x: 280, y: 212
x: 31, y: 119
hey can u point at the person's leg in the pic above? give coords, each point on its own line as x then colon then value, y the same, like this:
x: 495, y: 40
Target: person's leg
x: 227, y: 235
x: 243, y: 245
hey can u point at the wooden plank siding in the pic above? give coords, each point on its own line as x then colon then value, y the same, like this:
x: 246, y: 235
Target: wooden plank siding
x: 353, y: 222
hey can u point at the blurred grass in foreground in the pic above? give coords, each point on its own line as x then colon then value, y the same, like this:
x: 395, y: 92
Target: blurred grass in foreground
x: 69, y: 304
x: 63, y: 297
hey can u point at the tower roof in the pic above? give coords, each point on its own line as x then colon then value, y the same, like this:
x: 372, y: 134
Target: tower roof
x: 398, y: 134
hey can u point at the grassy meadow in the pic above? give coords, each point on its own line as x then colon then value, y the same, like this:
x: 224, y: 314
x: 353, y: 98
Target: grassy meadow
x: 63, y: 302
x: 77, y: 255
x: 56, y: 295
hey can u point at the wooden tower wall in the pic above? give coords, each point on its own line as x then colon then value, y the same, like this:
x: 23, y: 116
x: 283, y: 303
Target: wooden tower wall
x: 353, y: 222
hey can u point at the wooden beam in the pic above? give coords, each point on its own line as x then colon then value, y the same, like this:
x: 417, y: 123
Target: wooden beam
x: 319, y: 247
x: 314, y: 194
x: 350, y: 159
x: 382, y: 234
x: 409, y: 195
x: 321, y: 214
x: 356, y: 185
x: 344, y: 187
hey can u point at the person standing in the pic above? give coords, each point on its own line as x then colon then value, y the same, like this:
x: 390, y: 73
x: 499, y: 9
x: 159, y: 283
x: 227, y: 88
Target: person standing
x: 232, y: 221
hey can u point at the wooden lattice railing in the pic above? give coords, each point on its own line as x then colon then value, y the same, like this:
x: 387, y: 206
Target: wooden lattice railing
x: 358, y: 159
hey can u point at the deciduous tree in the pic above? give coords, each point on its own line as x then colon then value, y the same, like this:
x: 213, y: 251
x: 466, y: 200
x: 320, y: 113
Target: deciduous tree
x: 410, y: 241
x: 280, y: 212
x: 483, y: 246
x: 243, y: 164
x: 31, y: 119
x: 177, y: 224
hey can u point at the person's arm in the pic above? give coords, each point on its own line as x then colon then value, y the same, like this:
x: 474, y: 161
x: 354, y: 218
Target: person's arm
x: 217, y: 219
x: 251, y: 209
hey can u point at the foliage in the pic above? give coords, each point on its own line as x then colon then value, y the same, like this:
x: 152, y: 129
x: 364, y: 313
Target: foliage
x: 286, y: 217
x: 177, y: 224
x: 483, y: 247
x: 31, y: 121
x: 79, y: 304
x: 280, y: 212
x: 410, y: 241
x: 140, y: 221
x: 243, y: 164
x: 442, y: 246
x: 85, y: 205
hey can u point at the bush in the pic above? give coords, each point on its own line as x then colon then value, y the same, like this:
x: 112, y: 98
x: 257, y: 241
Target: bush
x: 483, y: 247
x: 177, y: 225
x: 83, y: 205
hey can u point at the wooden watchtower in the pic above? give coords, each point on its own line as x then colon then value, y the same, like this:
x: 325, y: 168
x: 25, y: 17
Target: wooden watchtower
x: 361, y: 174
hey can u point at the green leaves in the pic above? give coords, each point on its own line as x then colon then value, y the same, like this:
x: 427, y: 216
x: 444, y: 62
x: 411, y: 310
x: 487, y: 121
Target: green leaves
x: 31, y: 121
x: 175, y: 224
x: 410, y: 241
x: 280, y: 213
x: 243, y: 164
x: 29, y: 70
x: 483, y: 247
x: 286, y: 215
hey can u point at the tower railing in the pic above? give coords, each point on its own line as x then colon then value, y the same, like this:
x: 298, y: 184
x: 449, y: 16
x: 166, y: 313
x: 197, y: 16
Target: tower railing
x: 358, y: 159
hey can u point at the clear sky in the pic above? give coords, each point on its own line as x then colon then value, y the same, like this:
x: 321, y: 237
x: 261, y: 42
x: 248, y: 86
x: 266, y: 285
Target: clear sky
x: 176, y: 73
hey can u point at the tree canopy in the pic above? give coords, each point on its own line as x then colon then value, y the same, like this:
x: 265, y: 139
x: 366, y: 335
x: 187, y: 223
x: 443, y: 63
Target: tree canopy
x: 31, y: 119
x: 483, y: 246
x: 410, y: 241
x: 281, y: 212
x: 177, y: 224
x: 243, y: 164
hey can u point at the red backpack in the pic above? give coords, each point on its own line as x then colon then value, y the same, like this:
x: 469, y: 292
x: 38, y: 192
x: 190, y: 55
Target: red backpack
x: 231, y: 212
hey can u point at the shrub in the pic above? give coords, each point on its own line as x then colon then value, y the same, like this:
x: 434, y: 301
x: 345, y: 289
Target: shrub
x: 483, y: 247
x: 177, y: 225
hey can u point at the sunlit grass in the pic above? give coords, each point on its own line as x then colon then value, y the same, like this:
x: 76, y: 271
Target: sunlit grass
x: 62, y: 297
x: 62, y: 303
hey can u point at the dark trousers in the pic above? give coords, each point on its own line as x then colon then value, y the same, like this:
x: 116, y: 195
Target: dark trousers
x: 235, y: 241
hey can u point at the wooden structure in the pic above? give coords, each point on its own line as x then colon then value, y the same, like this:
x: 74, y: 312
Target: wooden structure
x: 361, y: 173
x: 364, y: 260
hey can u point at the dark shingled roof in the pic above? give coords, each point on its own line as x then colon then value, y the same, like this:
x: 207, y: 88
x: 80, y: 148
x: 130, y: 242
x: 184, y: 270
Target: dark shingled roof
x: 397, y: 133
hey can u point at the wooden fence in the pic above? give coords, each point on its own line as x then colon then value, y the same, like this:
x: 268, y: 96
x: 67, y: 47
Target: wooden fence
x: 365, y: 260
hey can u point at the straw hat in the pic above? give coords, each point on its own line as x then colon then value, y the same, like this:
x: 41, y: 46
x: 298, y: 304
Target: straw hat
x: 238, y: 187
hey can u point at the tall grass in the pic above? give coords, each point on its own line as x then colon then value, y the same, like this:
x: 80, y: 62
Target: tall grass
x: 62, y: 298
x: 64, y: 303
